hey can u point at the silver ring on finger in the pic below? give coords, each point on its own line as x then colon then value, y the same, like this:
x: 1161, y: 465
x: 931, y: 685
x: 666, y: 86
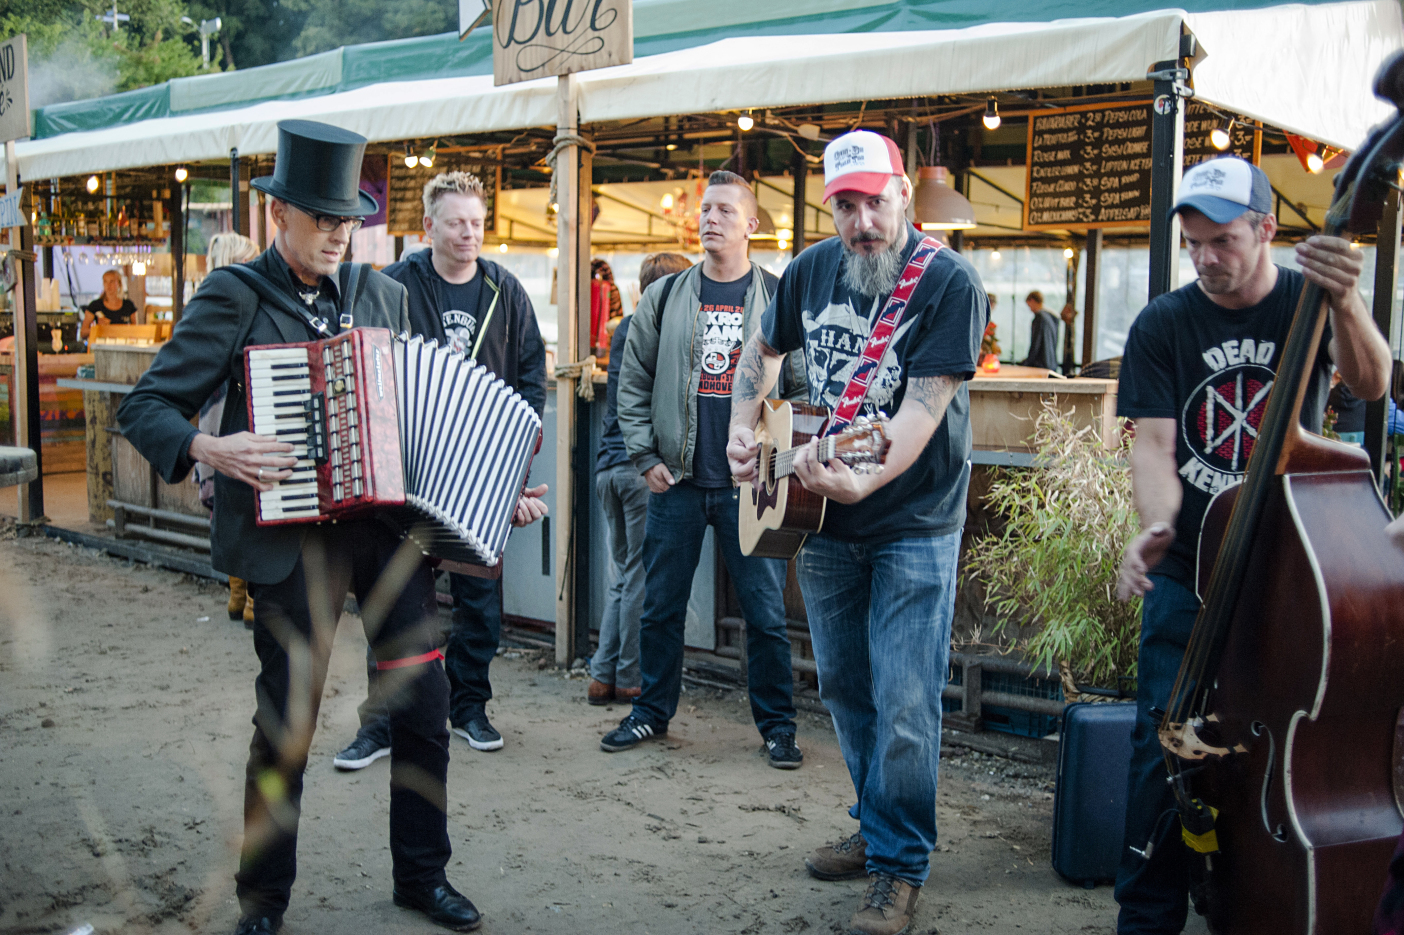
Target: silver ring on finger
x: 260, y: 473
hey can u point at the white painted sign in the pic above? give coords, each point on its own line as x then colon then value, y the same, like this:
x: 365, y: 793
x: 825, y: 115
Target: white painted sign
x: 545, y: 38
x: 12, y: 210
x: 471, y: 14
x: 14, y: 89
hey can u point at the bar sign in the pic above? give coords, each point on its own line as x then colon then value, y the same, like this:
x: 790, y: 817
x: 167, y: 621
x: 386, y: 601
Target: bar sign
x: 11, y: 210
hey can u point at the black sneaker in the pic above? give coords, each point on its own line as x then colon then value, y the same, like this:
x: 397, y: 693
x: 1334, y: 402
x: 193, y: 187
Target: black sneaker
x: 780, y: 746
x: 629, y: 733
x: 480, y: 734
x: 362, y: 752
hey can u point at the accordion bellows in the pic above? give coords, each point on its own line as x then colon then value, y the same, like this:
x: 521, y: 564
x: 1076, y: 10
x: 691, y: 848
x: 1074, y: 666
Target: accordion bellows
x: 432, y: 441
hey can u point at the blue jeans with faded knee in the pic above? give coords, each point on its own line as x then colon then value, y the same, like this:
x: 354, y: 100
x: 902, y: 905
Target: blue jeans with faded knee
x: 880, y: 621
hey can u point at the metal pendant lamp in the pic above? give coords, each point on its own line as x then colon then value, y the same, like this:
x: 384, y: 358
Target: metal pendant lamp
x: 938, y: 206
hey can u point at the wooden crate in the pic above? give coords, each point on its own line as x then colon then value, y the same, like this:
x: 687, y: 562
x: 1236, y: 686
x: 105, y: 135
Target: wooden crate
x: 1003, y: 409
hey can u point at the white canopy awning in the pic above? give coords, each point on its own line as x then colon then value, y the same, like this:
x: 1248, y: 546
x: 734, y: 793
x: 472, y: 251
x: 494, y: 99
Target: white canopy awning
x: 1306, y: 69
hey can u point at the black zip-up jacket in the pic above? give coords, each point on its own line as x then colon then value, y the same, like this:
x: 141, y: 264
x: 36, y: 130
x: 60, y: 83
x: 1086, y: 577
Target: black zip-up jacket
x: 510, y: 346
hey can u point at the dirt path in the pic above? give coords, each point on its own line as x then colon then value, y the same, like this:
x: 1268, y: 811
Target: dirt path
x: 125, y: 697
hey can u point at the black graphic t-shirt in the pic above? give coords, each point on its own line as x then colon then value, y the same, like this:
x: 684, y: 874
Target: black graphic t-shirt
x: 939, y: 336
x: 723, y: 304
x: 1210, y: 369
x: 461, y: 307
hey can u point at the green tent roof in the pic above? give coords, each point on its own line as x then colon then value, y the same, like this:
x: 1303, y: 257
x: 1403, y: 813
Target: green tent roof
x: 659, y: 26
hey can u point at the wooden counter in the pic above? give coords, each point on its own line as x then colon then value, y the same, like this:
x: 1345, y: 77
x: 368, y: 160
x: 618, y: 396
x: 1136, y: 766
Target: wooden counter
x: 1005, y: 405
x: 61, y: 414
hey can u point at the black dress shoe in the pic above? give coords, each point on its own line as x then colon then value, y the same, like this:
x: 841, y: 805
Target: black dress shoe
x: 258, y: 925
x: 442, y: 904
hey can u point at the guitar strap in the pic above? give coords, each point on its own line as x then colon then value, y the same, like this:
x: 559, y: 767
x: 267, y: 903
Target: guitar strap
x: 883, y: 330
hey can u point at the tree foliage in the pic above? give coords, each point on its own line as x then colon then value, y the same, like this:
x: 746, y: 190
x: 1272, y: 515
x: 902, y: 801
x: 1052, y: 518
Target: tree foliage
x: 332, y: 23
x: 1067, y: 522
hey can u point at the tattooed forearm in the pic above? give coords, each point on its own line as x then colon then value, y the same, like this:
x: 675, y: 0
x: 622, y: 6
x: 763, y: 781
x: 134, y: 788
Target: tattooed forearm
x: 756, y: 371
x: 933, y: 394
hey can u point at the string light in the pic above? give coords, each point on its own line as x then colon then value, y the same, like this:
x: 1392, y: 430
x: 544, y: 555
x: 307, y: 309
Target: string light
x: 671, y: 147
x: 991, y: 119
x: 93, y: 184
x: 745, y: 122
x: 1067, y: 253
x: 181, y: 174
x: 666, y: 202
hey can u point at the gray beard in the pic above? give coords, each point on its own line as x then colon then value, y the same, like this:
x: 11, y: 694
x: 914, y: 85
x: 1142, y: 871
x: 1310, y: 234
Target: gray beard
x: 871, y: 275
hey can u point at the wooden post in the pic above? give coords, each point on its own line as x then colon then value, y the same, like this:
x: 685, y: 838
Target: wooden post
x: 1386, y: 281
x: 1089, y: 298
x: 25, y: 405
x: 177, y: 246
x: 799, y: 169
x: 569, y: 347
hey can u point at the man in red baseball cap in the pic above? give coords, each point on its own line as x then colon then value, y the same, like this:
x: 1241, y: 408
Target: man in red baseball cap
x: 889, y: 321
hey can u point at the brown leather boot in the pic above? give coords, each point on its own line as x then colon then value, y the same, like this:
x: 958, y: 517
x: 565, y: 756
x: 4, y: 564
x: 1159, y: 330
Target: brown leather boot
x: 626, y: 694
x: 886, y: 908
x: 599, y: 693
x: 248, y: 614
x: 842, y: 860
x: 238, y: 594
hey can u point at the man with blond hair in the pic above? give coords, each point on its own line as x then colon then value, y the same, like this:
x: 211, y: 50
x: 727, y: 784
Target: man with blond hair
x: 477, y: 307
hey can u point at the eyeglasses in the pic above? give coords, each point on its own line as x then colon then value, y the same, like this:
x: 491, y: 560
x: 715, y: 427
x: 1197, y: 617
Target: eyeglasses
x: 330, y: 222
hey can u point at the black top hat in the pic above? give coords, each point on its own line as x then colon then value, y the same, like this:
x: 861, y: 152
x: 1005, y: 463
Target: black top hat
x: 319, y: 169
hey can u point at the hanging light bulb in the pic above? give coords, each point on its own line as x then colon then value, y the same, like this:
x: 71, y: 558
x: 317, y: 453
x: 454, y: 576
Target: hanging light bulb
x: 745, y: 122
x: 502, y: 248
x: 411, y: 160
x: 666, y: 202
x: 181, y: 175
x: 991, y: 119
x: 1221, y: 137
x: 995, y: 255
x: 427, y: 160
x: 93, y: 184
x: 1315, y: 163
x: 1067, y: 253
x: 138, y: 268
x: 671, y: 147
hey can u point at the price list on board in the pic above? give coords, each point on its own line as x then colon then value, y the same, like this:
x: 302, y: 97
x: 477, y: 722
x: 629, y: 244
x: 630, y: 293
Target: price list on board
x: 1090, y: 166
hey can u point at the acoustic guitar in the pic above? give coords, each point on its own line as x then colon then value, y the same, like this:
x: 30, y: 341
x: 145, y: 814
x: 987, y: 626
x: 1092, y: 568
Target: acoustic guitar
x: 777, y: 512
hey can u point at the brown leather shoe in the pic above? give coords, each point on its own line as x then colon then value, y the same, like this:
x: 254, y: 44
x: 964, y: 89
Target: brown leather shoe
x: 599, y: 693
x: 886, y: 908
x: 238, y: 594
x: 627, y: 694
x: 248, y: 614
x: 842, y: 860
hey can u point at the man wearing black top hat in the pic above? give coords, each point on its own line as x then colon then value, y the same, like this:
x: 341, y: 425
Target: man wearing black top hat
x: 299, y: 574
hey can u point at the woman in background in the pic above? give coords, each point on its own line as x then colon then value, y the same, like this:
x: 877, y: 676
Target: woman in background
x: 224, y: 250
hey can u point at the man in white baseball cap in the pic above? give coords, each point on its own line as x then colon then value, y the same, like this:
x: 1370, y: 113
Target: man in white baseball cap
x: 888, y: 321
x: 1195, y: 377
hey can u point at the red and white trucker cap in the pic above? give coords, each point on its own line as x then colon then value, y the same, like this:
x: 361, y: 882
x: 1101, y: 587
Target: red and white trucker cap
x: 861, y: 161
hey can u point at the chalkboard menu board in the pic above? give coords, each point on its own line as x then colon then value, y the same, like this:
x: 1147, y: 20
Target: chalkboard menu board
x: 1245, y: 140
x: 1090, y: 166
x: 405, y: 200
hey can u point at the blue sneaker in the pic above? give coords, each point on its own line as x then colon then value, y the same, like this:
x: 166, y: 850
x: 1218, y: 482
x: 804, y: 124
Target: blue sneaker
x: 630, y: 732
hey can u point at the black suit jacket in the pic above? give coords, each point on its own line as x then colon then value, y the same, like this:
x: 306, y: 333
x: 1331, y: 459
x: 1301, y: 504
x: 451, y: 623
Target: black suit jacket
x: 204, y: 351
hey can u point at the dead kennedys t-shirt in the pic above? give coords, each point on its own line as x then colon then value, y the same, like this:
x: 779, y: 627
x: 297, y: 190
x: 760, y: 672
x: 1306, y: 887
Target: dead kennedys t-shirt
x: 1210, y: 369
x: 719, y: 318
x: 939, y: 336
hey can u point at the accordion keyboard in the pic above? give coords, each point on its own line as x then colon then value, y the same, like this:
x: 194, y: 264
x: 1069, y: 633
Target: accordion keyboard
x: 284, y: 407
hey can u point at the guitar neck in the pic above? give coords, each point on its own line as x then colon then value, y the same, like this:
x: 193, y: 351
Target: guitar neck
x: 785, y: 460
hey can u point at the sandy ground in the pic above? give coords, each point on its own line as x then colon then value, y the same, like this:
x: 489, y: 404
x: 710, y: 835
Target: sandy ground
x: 125, y: 698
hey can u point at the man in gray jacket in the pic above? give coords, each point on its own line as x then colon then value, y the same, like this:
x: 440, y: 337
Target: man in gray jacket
x: 674, y: 406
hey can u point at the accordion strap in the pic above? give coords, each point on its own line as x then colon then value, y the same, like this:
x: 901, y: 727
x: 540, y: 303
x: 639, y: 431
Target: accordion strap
x: 278, y: 298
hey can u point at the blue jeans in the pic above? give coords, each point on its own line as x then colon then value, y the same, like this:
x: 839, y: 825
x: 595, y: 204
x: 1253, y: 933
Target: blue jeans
x: 880, y: 618
x: 1154, y: 894
x: 677, y: 521
x: 623, y: 494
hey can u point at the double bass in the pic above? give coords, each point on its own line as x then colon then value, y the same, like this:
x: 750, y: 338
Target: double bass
x: 1284, y: 732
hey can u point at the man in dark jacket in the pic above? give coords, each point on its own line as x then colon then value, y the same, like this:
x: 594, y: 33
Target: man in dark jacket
x: 1043, y: 343
x: 299, y: 574
x: 475, y: 306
